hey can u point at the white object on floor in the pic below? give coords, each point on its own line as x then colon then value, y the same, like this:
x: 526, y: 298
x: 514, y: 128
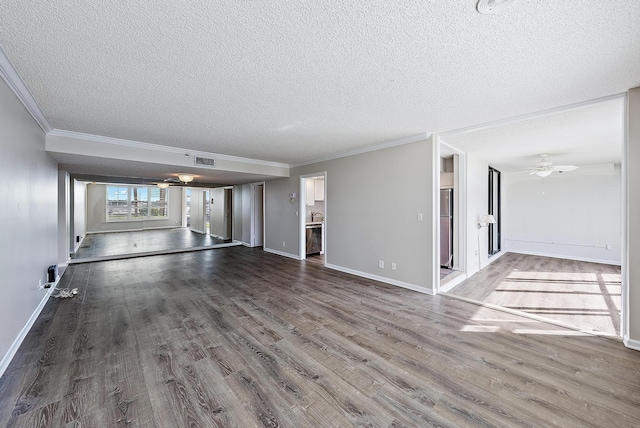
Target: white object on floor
x: 64, y: 293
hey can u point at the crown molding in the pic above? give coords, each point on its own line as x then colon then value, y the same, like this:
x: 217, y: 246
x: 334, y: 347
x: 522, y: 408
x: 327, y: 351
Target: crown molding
x: 157, y: 147
x: 399, y: 142
x: 17, y: 85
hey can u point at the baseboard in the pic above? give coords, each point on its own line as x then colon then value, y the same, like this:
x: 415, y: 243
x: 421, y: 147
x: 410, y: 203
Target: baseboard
x: 8, y: 356
x: 390, y: 281
x: 632, y: 344
x: 561, y: 256
x: 280, y: 253
x: 496, y: 256
x: 447, y: 285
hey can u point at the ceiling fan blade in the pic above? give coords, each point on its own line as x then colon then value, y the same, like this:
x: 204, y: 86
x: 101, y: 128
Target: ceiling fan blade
x: 564, y: 168
x: 533, y: 172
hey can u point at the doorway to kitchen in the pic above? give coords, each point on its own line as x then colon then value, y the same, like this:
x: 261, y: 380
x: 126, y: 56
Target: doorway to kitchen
x: 452, y: 215
x: 312, y: 215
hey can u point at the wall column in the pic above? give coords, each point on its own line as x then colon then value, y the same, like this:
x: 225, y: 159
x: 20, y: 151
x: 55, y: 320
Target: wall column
x: 631, y: 263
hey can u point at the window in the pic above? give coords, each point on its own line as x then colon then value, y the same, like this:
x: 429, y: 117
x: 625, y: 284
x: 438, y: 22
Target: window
x: 131, y: 203
x: 158, y: 202
x: 494, y: 209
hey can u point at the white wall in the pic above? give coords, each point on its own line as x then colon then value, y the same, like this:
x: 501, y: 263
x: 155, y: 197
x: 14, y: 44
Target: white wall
x: 477, y: 205
x: 29, y: 227
x: 79, y: 212
x: 97, y: 212
x: 398, y: 182
x: 570, y: 215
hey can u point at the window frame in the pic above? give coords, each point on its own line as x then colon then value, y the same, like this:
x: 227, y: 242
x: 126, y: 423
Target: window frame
x: 494, y: 242
x: 139, y: 204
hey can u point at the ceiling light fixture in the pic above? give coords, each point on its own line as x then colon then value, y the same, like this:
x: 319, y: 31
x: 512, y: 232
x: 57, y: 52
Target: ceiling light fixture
x: 185, y: 178
x: 492, y: 6
x: 544, y: 173
x: 163, y: 185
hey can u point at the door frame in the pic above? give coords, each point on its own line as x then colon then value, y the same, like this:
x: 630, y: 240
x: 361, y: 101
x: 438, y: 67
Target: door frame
x: 302, y: 209
x: 460, y: 217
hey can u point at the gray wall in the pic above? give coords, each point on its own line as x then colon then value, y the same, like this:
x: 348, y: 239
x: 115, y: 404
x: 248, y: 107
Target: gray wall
x: 398, y: 182
x: 97, y: 212
x: 237, y: 213
x: 632, y: 334
x: 197, y: 210
x: 64, y: 218
x: 218, y: 211
x: 29, y: 207
x: 246, y: 214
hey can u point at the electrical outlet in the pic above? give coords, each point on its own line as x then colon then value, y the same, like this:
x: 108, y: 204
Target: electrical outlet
x: 381, y: 264
x: 393, y: 266
x: 420, y: 217
x: 284, y: 244
x: 40, y: 284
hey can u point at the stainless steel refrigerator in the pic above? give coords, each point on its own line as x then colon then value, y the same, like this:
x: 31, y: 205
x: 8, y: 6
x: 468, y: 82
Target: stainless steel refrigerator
x: 446, y: 228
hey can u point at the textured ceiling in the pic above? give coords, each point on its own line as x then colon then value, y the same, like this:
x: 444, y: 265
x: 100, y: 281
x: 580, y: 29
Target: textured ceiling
x: 296, y: 81
x: 590, y: 135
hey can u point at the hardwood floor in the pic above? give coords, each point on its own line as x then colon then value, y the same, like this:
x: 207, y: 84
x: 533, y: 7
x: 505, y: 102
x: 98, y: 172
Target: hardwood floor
x: 581, y: 294
x: 240, y: 337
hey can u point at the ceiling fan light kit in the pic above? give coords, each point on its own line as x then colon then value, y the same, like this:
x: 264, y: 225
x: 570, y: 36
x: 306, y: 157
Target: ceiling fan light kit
x: 544, y: 167
x: 185, y: 178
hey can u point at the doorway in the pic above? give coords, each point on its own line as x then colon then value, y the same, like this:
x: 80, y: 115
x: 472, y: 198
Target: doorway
x: 312, y: 217
x: 452, y: 215
x: 552, y: 214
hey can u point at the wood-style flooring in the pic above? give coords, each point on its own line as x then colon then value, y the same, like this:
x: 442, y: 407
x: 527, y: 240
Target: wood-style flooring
x: 237, y: 337
x: 581, y: 294
x: 118, y: 243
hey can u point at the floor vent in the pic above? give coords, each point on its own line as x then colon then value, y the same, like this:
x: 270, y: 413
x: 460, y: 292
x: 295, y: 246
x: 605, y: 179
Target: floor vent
x: 205, y: 162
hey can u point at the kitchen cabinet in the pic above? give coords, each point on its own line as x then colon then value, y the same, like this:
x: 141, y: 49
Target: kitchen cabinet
x: 314, y: 239
x: 319, y: 190
x: 446, y: 180
x: 311, y: 192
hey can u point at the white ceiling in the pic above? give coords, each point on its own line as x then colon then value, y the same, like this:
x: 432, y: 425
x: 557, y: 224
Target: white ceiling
x: 589, y: 135
x: 295, y: 81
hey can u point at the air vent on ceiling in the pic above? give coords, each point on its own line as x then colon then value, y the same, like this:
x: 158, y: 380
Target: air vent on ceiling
x: 211, y: 163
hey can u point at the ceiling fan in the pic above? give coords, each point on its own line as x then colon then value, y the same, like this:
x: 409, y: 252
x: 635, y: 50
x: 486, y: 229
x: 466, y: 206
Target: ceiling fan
x: 545, y: 167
